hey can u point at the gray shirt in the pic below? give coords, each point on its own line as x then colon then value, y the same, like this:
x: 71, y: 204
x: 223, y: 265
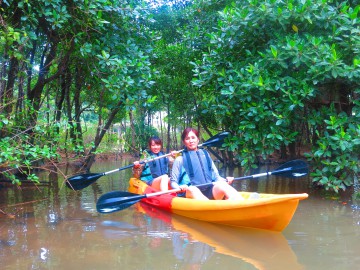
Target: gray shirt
x: 177, y: 170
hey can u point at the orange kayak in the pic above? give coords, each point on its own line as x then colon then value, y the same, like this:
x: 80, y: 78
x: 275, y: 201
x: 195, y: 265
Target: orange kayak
x: 269, y: 212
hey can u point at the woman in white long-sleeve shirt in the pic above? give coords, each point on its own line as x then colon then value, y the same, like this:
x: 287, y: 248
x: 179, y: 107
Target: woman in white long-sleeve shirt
x: 195, y: 167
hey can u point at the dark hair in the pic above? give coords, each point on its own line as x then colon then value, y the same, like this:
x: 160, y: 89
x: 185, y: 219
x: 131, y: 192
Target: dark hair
x: 187, y: 131
x: 156, y: 140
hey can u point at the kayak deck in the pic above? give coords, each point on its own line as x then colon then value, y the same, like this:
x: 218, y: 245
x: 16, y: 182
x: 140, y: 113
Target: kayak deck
x: 269, y: 212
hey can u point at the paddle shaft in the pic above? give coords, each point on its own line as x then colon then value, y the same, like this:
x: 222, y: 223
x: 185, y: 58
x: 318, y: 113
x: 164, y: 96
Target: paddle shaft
x: 263, y: 174
x: 292, y: 169
x: 118, y: 169
x: 149, y: 195
x: 117, y: 202
x: 141, y: 162
x: 149, y: 160
x: 81, y: 181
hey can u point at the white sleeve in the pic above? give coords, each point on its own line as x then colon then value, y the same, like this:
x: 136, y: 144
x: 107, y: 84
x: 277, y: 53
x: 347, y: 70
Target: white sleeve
x: 215, y: 173
x: 176, y: 172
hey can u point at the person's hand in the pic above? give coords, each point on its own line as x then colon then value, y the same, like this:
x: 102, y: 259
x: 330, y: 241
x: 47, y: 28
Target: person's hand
x: 230, y: 179
x: 174, y: 153
x: 137, y: 164
x: 183, y: 187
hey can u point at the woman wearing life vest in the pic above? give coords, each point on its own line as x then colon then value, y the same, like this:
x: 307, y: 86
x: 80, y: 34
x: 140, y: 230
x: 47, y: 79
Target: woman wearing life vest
x: 195, y: 167
x: 155, y: 173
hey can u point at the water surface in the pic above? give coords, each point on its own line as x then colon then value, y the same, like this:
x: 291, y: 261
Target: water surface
x: 53, y: 227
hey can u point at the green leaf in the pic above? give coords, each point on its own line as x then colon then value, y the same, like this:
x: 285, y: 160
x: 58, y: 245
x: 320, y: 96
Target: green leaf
x: 274, y: 51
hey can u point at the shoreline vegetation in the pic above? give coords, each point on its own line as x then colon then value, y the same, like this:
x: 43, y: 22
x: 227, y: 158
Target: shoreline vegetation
x: 71, y: 159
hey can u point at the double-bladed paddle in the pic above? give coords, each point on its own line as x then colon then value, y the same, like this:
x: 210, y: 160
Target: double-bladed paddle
x: 118, y: 200
x: 81, y: 181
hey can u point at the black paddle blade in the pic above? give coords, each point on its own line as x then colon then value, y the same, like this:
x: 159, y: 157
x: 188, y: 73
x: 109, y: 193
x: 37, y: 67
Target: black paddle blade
x: 116, y: 201
x: 293, y: 169
x: 217, y: 140
x: 81, y: 181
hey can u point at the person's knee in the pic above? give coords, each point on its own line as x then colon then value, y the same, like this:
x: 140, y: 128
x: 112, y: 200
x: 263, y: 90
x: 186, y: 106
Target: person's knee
x: 195, y: 193
x: 193, y: 190
x: 221, y: 184
x: 223, y: 189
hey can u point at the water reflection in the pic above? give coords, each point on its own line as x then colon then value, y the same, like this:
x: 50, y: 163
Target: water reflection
x: 118, y: 229
x: 196, y: 242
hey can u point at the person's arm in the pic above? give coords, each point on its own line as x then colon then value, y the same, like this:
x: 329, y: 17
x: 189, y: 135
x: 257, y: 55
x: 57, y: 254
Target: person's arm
x: 142, y: 170
x: 215, y: 173
x: 137, y: 163
x: 217, y: 177
x: 175, y: 173
x: 172, y: 157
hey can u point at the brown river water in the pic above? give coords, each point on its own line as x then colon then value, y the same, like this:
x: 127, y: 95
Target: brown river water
x: 53, y: 227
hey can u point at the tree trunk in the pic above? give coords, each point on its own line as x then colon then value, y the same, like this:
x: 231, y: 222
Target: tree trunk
x: 168, y: 132
x: 8, y: 92
x: 292, y: 150
x: 35, y: 94
x: 132, y: 128
x: 283, y: 152
x: 21, y: 96
x: 99, y: 136
x: 207, y: 130
x: 161, y: 126
x: 175, y: 140
x: 2, y: 82
x: 59, y: 99
x: 9, y: 89
x: 66, y: 85
x: 77, y: 108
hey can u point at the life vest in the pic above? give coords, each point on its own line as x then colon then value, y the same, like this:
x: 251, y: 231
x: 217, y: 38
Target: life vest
x: 197, y: 168
x: 155, y: 168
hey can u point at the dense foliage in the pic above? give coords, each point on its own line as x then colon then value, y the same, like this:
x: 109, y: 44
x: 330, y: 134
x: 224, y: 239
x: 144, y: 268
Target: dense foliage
x: 281, y: 76
x: 60, y: 60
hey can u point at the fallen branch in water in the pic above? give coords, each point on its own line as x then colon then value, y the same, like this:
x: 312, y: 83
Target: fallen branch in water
x: 27, y: 202
x: 18, y: 204
x: 6, y: 214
